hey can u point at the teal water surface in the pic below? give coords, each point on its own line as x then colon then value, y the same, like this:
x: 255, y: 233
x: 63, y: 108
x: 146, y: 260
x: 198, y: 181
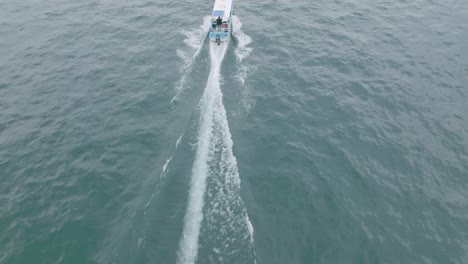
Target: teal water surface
x: 324, y: 132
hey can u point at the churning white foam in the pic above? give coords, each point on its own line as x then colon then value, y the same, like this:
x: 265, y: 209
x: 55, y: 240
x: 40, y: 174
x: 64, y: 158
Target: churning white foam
x: 214, y: 195
x: 194, y: 43
x: 188, y: 248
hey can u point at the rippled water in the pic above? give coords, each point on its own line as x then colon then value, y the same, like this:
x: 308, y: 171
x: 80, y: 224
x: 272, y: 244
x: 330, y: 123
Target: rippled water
x: 326, y: 132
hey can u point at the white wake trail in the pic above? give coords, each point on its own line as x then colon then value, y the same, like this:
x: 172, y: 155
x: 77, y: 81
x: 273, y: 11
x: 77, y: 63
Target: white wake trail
x: 188, y: 248
x: 194, y: 44
x: 215, y: 209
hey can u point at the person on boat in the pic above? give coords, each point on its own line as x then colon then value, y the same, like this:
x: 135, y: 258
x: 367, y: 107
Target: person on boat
x: 219, y: 22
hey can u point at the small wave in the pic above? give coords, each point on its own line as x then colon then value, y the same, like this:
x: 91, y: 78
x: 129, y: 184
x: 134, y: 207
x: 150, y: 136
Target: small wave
x: 242, y: 51
x: 250, y: 227
x: 178, y: 140
x: 163, y: 172
x: 162, y: 175
x: 246, y: 100
x: 194, y: 43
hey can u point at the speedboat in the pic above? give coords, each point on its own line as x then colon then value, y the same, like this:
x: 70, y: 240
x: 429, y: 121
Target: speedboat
x: 221, y: 22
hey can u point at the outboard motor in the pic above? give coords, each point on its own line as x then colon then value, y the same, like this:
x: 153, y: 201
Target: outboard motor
x: 218, y: 39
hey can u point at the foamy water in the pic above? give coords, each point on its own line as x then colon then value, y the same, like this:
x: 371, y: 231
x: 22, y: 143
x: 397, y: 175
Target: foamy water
x: 193, y: 45
x: 214, y: 197
x: 188, y: 248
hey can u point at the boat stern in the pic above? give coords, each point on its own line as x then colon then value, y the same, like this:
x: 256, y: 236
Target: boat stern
x: 219, y: 36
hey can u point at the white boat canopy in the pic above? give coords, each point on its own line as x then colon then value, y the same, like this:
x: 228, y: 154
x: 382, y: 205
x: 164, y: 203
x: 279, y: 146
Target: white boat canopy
x: 222, y: 8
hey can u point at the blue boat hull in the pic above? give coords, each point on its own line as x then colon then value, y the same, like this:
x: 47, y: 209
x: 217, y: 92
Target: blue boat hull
x: 223, y: 9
